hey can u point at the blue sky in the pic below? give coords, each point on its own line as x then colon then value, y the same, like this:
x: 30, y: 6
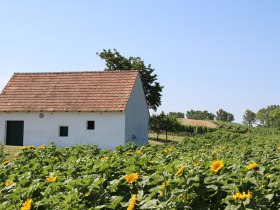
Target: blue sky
x: 207, y: 54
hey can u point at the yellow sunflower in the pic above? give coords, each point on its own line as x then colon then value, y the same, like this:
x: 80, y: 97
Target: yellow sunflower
x: 130, y: 178
x: 242, y: 196
x: 132, y: 202
x: 217, y: 165
x: 42, y: 146
x: 252, y: 166
x: 8, y: 182
x: 26, y: 205
x: 51, y: 178
x: 180, y: 170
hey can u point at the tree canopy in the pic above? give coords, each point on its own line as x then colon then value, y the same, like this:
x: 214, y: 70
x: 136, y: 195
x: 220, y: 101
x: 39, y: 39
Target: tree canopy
x: 269, y: 117
x: 200, y: 115
x: 115, y: 61
x: 177, y: 114
x: 249, y: 118
x: 163, y: 122
x: 275, y: 118
x: 224, y: 116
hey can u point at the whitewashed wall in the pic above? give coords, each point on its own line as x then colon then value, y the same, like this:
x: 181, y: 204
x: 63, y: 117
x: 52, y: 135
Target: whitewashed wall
x: 108, y: 133
x: 137, y: 115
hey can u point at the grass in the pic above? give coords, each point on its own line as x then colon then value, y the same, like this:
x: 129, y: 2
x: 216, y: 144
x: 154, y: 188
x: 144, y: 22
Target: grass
x: 11, y: 151
x: 154, y: 142
x: 162, y: 138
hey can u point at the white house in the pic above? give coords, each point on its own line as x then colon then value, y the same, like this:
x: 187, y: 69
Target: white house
x: 103, y: 108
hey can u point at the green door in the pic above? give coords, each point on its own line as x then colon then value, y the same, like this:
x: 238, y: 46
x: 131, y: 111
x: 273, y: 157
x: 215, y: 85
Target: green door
x: 14, y: 133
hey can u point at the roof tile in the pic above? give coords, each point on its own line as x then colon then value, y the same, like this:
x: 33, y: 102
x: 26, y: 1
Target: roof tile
x: 68, y: 91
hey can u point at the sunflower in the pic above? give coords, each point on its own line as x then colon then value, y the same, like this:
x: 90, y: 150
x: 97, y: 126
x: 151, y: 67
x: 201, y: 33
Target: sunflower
x: 130, y: 178
x: 196, y: 164
x: 51, y: 178
x: 132, y: 202
x: 163, y: 188
x: 242, y: 196
x: 26, y: 205
x: 42, y: 146
x: 216, y: 165
x: 252, y: 166
x: 180, y: 170
x: 8, y: 182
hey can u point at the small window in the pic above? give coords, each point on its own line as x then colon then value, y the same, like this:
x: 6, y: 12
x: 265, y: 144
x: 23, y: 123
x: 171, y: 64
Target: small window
x: 63, y: 131
x: 90, y: 125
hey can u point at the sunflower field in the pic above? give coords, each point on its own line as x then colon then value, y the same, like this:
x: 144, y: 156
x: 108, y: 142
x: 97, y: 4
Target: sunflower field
x: 219, y: 170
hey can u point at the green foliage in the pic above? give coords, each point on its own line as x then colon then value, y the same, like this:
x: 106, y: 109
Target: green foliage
x: 152, y: 89
x: 156, y: 124
x: 90, y: 178
x: 275, y: 118
x: 232, y: 127
x: 177, y: 114
x: 163, y: 123
x: 200, y: 115
x: 222, y: 115
x: 249, y: 118
x: 262, y: 116
x: 269, y: 117
x: 188, y: 130
x: 2, y: 151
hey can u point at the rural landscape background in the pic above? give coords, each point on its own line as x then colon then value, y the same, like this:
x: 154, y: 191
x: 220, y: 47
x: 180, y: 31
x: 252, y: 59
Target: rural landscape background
x: 207, y: 55
x: 210, y: 72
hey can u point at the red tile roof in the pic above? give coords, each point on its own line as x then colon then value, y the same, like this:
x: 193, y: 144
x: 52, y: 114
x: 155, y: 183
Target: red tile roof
x: 68, y: 91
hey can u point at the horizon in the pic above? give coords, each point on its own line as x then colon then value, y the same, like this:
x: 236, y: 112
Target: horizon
x: 207, y: 55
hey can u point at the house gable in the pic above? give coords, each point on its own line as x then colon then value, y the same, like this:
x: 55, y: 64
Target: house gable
x: 137, y: 115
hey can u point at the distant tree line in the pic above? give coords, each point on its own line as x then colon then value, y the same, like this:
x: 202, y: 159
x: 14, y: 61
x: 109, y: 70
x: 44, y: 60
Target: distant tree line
x: 177, y: 114
x: 221, y: 115
x: 265, y: 117
x: 200, y: 115
x: 170, y: 123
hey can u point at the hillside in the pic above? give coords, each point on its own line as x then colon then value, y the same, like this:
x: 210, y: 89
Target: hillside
x: 203, y: 123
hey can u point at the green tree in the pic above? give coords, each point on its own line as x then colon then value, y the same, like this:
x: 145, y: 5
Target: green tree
x: 169, y: 124
x: 275, y: 118
x: 200, y: 115
x: 177, y: 114
x: 115, y: 61
x: 265, y: 118
x: 224, y: 116
x: 2, y: 151
x: 163, y: 123
x: 249, y: 118
x: 262, y: 116
x: 155, y: 124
